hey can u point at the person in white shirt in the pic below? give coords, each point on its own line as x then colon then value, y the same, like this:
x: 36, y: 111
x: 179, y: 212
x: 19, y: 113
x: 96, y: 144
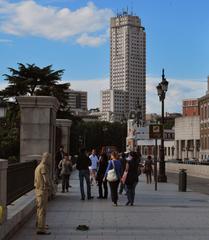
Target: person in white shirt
x: 94, y: 164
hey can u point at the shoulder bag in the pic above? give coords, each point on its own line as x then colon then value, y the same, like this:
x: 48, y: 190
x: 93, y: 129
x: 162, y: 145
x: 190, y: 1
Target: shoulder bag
x: 111, y: 174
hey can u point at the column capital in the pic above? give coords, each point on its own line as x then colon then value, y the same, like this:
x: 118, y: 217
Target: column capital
x: 38, y: 101
x: 63, y: 123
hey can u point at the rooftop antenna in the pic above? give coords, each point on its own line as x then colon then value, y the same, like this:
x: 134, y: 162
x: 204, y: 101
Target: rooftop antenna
x: 131, y: 8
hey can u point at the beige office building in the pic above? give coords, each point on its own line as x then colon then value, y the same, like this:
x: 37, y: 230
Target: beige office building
x: 77, y: 101
x: 127, y: 65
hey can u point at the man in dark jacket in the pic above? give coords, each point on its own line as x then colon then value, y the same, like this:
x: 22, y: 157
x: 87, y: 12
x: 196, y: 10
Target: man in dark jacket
x: 82, y: 164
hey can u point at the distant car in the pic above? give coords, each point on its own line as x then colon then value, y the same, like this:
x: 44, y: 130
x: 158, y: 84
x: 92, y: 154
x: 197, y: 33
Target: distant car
x: 192, y: 161
x: 205, y: 161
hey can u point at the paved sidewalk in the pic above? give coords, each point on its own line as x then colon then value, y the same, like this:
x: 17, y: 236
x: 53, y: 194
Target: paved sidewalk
x: 164, y: 215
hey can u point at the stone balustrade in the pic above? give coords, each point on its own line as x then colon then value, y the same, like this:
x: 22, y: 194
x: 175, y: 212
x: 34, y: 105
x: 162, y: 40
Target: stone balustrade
x: 192, y: 170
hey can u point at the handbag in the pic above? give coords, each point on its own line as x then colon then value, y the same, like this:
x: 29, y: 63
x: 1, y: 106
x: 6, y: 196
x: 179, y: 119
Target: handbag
x: 123, y: 179
x: 111, y: 174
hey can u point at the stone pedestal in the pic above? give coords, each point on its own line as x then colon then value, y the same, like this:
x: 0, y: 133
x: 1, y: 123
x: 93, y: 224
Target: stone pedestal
x: 64, y: 125
x: 3, y: 189
x: 38, y: 126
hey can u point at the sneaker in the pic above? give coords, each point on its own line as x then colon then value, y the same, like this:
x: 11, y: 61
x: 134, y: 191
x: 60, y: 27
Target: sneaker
x: 43, y: 233
x: 127, y: 203
x: 89, y: 198
x: 82, y: 227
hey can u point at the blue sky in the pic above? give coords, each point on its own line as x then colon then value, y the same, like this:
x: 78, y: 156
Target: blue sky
x: 73, y: 35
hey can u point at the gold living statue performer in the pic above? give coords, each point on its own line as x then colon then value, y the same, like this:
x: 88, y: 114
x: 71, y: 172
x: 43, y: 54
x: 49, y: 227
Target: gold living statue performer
x: 42, y: 189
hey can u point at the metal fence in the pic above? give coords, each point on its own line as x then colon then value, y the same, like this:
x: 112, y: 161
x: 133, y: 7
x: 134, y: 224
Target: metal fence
x: 20, y: 179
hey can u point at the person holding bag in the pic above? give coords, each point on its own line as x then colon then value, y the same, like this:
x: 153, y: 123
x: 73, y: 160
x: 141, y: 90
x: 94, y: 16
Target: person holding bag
x: 113, y: 175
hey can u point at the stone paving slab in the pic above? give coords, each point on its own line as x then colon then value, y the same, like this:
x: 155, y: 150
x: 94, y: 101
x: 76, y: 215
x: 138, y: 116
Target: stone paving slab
x: 165, y: 215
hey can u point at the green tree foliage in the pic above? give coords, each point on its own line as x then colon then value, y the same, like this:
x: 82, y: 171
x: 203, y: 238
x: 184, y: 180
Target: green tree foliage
x: 27, y: 80
x: 97, y: 134
x: 32, y: 80
x: 9, y: 141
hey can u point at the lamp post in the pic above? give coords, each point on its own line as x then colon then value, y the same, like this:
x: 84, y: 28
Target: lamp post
x: 161, y: 91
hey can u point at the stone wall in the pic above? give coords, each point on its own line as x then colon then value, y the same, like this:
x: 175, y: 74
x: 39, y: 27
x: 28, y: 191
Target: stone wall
x: 192, y: 170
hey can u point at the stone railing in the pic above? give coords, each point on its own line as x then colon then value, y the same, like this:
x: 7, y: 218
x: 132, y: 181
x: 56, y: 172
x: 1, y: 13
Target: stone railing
x: 14, y: 183
x: 192, y: 170
x: 20, y: 179
x: 3, y: 190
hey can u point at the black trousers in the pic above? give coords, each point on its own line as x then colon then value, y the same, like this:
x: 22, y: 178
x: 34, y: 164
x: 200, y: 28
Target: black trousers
x: 102, y: 185
x: 114, y: 190
x: 65, y: 182
x: 149, y: 177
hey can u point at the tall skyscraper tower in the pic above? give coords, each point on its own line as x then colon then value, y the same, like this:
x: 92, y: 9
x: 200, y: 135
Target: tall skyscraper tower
x: 127, y: 67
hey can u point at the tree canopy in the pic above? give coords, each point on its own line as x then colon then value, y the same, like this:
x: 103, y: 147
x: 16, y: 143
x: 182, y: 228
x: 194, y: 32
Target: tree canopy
x: 32, y: 80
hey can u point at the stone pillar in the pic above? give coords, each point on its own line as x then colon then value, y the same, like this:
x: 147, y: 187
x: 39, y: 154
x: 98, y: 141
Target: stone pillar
x: 180, y: 150
x: 195, y: 148
x: 64, y: 125
x: 3, y: 190
x: 186, y: 149
x: 38, y: 126
x: 176, y: 150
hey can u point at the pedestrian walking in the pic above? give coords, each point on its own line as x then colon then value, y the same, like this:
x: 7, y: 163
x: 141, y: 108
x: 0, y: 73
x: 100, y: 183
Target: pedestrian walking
x: 123, y: 166
x: 94, y: 164
x: 82, y: 164
x: 58, y: 157
x: 132, y: 169
x: 102, y: 185
x: 65, y: 169
x: 115, y: 165
x: 42, y: 188
x: 148, y: 170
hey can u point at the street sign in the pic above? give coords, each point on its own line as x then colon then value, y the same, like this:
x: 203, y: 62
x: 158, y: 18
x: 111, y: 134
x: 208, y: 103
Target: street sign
x: 156, y: 131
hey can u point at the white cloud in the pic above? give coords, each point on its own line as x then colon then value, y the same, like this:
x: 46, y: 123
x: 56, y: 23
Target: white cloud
x: 177, y: 91
x: 86, y: 40
x: 2, y: 85
x: 29, y: 18
x: 93, y: 87
x: 6, y: 41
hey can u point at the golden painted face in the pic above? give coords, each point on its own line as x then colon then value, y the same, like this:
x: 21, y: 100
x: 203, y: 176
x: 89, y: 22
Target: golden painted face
x: 46, y: 158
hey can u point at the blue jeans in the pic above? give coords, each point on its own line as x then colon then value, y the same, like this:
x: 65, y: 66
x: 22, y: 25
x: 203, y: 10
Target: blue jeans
x: 131, y: 192
x: 85, y: 174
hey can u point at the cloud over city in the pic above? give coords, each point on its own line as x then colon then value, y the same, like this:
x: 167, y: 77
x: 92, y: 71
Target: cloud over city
x: 178, y: 90
x: 87, y: 25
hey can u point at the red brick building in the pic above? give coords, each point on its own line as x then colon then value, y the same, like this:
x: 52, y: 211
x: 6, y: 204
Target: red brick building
x: 190, y: 107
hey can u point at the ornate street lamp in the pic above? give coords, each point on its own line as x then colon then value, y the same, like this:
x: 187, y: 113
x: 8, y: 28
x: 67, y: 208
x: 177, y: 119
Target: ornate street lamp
x: 161, y: 91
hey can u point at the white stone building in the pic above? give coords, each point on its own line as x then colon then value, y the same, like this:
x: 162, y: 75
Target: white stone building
x: 127, y: 67
x: 113, y: 104
x: 187, y: 137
